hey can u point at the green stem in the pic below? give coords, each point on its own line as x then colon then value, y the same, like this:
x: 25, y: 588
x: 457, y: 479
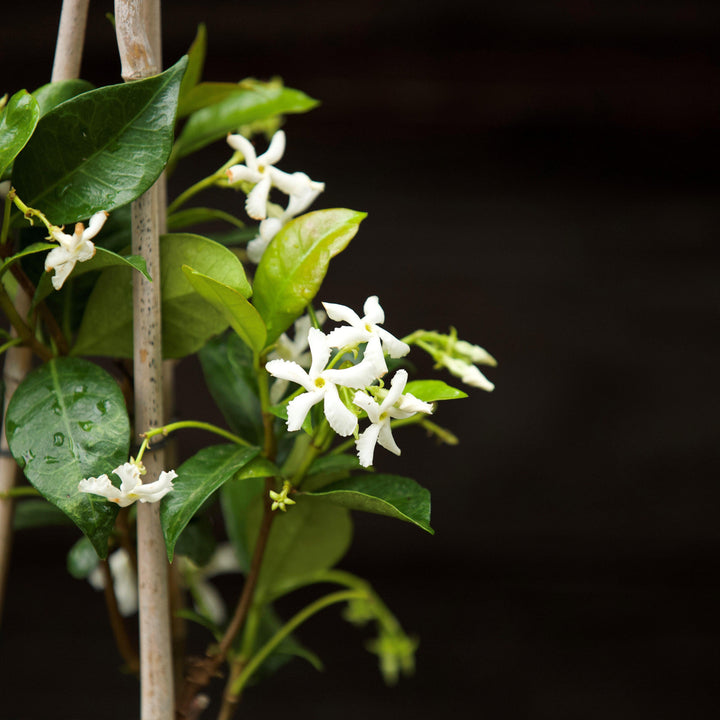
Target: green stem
x: 22, y: 329
x: 289, y: 627
x: 9, y: 344
x: 6, y: 219
x: 23, y: 491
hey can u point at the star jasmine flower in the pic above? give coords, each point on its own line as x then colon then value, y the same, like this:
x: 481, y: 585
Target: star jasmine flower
x: 321, y: 385
x: 124, y: 581
x: 365, y: 330
x: 395, y: 405
x: 467, y: 372
x: 268, y: 229
x: 73, y: 248
x: 131, y: 487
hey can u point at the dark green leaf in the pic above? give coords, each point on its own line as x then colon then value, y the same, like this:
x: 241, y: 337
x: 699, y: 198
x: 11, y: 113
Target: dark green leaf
x: 253, y: 101
x: 67, y: 421
x: 51, y: 95
x: 236, y: 497
x: 390, y: 495
x: 294, y: 265
x: 329, y: 468
x: 188, y: 321
x: 227, y: 364
x: 100, y: 150
x: 237, y: 311
x: 197, y: 541
x: 29, y: 250
x: 17, y: 123
x: 198, y: 478
x: 433, y: 390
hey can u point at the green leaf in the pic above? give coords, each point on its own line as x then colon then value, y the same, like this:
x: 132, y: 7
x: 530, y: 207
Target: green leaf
x: 37, y: 513
x: 205, y: 94
x: 253, y: 101
x: 17, y: 124
x: 103, y: 259
x: 237, y: 311
x: 294, y: 265
x: 188, y: 321
x: 390, y: 495
x: 29, y: 250
x: 51, y: 95
x: 227, y: 365
x: 82, y: 559
x: 307, y: 539
x: 198, y: 478
x: 433, y: 390
x: 196, y: 61
x: 236, y: 497
x: 67, y: 421
x: 194, y: 216
x: 100, y: 150
x: 329, y: 468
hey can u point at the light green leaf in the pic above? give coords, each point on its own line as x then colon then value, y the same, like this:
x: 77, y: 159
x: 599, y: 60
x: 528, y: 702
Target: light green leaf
x: 206, y: 94
x: 51, y: 95
x: 294, y: 265
x: 101, y: 149
x: 390, y: 495
x: 310, y: 537
x: 237, y: 311
x: 253, y: 101
x: 433, y: 390
x: 198, y: 478
x: 188, y: 321
x: 196, y: 61
x: 67, y: 421
x: 17, y: 123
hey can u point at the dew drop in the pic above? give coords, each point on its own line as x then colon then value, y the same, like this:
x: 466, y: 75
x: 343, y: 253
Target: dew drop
x: 86, y: 425
x: 50, y: 460
x: 102, y: 406
x: 58, y: 439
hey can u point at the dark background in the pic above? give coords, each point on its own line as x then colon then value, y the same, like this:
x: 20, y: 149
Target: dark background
x: 544, y: 177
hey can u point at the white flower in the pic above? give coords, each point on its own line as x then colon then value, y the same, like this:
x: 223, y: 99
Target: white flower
x: 295, y: 350
x: 268, y: 229
x: 322, y: 385
x: 467, y: 372
x: 395, y: 405
x: 474, y: 353
x: 131, y: 488
x: 124, y: 581
x: 73, y: 248
x: 365, y: 330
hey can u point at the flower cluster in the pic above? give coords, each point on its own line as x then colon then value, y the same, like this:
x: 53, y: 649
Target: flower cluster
x: 260, y: 170
x: 325, y: 383
x: 131, y: 487
x: 72, y: 248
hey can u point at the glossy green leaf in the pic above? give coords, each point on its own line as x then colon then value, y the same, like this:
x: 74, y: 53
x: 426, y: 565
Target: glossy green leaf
x: 82, y: 559
x: 29, y: 250
x: 196, y: 215
x: 51, y: 95
x: 227, y: 364
x: 310, y: 537
x: 390, y: 495
x: 101, y: 149
x: 294, y: 265
x: 67, y: 421
x: 253, y: 101
x: 433, y: 390
x: 196, y: 62
x: 103, y: 259
x: 17, y: 124
x: 188, y: 321
x: 237, y: 311
x: 198, y: 478
x: 329, y: 468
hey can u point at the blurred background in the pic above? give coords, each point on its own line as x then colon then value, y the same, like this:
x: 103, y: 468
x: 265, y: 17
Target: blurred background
x: 542, y: 176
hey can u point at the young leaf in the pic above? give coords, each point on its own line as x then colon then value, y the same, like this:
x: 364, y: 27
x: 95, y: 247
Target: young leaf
x: 51, y: 95
x: 67, y: 421
x: 433, y: 390
x: 188, y: 321
x: 196, y: 61
x: 253, y: 101
x: 390, y: 495
x: 198, y: 478
x: 101, y: 149
x: 17, y: 124
x: 239, y: 313
x: 294, y: 265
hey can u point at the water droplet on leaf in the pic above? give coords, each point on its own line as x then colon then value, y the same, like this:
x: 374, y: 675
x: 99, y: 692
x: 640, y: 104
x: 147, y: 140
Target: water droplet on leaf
x: 58, y: 440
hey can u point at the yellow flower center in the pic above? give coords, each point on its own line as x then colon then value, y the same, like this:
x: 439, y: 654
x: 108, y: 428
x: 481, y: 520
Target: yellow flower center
x: 319, y: 382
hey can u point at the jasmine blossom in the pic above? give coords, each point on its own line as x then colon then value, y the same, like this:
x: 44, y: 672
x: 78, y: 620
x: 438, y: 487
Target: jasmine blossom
x: 131, y: 487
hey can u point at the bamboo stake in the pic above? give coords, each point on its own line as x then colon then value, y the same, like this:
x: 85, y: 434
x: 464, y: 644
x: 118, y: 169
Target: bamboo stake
x: 138, y: 59
x: 66, y: 66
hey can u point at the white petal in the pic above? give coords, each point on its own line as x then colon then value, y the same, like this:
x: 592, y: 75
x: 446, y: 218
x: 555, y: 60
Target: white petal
x: 341, y: 419
x: 154, y: 491
x: 409, y: 405
x: 374, y: 314
x: 347, y: 336
x: 223, y: 560
x: 342, y: 313
x: 209, y: 602
x: 474, y: 353
x: 319, y: 349
x: 281, y: 180
x: 386, y: 439
x: 129, y: 474
x: 368, y: 404
x: 101, y: 486
x: 394, y: 347
x: 299, y: 407
x: 240, y: 172
x: 256, y: 203
x: 60, y: 260
x: 85, y: 251
x: 238, y: 142
x: 275, y: 149
x: 95, y: 224
x: 289, y: 370
x: 365, y: 445
x: 397, y: 385
x: 357, y: 377
x: 374, y: 355
x: 256, y: 249
x: 124, y: 582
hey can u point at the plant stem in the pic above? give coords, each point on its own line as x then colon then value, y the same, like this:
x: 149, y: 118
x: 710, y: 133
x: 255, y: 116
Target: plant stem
x: 122, y: 639
x: 200, y: 185
x: 13, y: 312
x: 184, y: 424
